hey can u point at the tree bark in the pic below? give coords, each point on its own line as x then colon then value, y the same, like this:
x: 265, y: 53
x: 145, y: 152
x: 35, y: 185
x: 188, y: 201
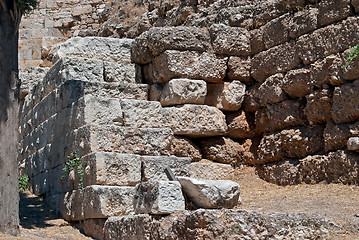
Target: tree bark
x: 9, y: 122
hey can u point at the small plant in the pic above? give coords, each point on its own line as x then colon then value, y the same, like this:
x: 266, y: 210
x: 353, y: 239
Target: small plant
x: 74, y: 163
x: 24, y: 183
x: 353, y: 54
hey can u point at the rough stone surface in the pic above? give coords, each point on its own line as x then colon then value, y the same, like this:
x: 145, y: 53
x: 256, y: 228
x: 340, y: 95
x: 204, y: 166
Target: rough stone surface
x: 184, y: 147
x: 106, y: 168
x: 210, y: 170
x: 117, y: 72
x: 332, y: 11
x: 336, y: 136
x: 142, y: 114
x: 155, y: 41
x: 327, y: 71
x: 239, y: 69
x: 162, y: 197
x: 189, y: 64
x: 292, y: 143
x: 226, y: 96
x: 195, y: 120
x: 225, y: 150
x: 319, y: 106
x: 353, y: 144
x: 153, y: 167
x: 181, y: 91
x: 211, y: 193
x: 230, y: 40
x: 346, y: 103
x: 303, y: 22
x: 106, y: 49
x: 241, y: 125
x: 297, y: 83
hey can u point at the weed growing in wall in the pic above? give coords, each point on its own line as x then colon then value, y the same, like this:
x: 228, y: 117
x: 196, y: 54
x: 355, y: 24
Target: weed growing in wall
x: 74, y: 163
x: 353, y: 54
x: 24, y: 183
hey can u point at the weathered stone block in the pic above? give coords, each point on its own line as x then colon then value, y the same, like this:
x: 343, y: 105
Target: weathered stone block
x: 211, y: 170
x: 107, y: 168
x: 181, y: 91
x: 291, y: 143
x: 97, y: 202
x: 346, y: 103
x: 105, y: 49
x: 327, y: 71
x: 335, y: 136
x: 227, y: 96
x: 303, y: 22
x: 281, y: 58
x: 92, y: 227
x: 225, y: 150
x: 155, y: 41
x: 332, y: 11
x: 93, y: 137
x: 297, y: 83
x: 142, y: 114
x: 319, y: 106
x: 175, y: 64
x: 353, y: 144
x: 276, y: 31
x: 184, y: 147
x: 119, y: 72
x: 158, y: 197
x: 239, y: 69
x: 241, y: 125
x: 195, y: 120
x: 155, y: 92
x: 211, y: 193
x: 154, y: 166
x: 230, y: 40
x: 280, y: 116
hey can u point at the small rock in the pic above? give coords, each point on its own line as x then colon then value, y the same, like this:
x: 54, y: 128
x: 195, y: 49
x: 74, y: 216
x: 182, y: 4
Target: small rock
x: 353, y: 144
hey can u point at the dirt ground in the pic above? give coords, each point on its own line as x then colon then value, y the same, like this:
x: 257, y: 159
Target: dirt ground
x: 336, y: 202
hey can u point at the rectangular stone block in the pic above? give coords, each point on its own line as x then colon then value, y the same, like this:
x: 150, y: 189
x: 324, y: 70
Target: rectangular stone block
x: 303, y: 22
x: 40, y: 161
x: 158, y: 197
x: 181, y: 91
x: 142, y: 114
x: 106, y: 168
x: 175, y: 64
x: 195, y: 120
x: 97, y: 202
x: 117, y: 72
x: 333, y: 11
x: 275, y: 31
x: 154, y: 166
x: 144, y: 141
x: 46, y: 108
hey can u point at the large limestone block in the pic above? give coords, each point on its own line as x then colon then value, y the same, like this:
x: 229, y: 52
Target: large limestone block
x: 184, y: 147
x: 111, y: 138
x: 109, y: 168
x: 319, y: 106
x: 281, y: 58
x: 153, y: 167
x: 155, y: 41
x: 119, y: 72
x: 280, y: 116
x: 290, y: 143
x: 346, y: 103
x: 97, y: 202
x: 333, y: 11
x: 225, y: 150
x: 142, y: 114
x: 230, y: 40
x: 275, y: 31
x: 181, y: 91
x: 158, y: 197
x: 106, y: 49
x: 195, y: 120
x: 189, y: 64
x: 210, y: 170
x: 211, y: 193
x: 227, y: 96
x: 30, y: 78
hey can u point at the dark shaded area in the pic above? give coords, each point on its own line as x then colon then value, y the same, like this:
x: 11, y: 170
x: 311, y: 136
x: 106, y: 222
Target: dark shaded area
x: 34, y: 213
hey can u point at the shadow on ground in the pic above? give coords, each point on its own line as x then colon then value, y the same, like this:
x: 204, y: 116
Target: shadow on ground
x: 34, y: 213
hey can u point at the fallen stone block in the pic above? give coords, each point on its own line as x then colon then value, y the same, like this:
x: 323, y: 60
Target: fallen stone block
x: 226, y: 96
x: 109, y: 168
x: 181, y: 91
x: 155, y: 41
x: 105, y: 49
x: 153, y: 167
x: 194, y: 65
x: 142, y: 114
x: 195, y: 120
x: 211, y: 193
x: 158, y: 197
x: 184, y: 147
x: 230, y: 40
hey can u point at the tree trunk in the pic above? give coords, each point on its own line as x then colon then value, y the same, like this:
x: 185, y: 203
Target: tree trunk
x: 9, y: 109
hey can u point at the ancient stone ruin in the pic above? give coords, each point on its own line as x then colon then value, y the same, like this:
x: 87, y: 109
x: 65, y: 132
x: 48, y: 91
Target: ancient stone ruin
x: 235, y: 83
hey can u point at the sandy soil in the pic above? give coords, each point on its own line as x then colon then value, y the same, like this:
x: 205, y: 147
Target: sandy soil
x: 336, y: 202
